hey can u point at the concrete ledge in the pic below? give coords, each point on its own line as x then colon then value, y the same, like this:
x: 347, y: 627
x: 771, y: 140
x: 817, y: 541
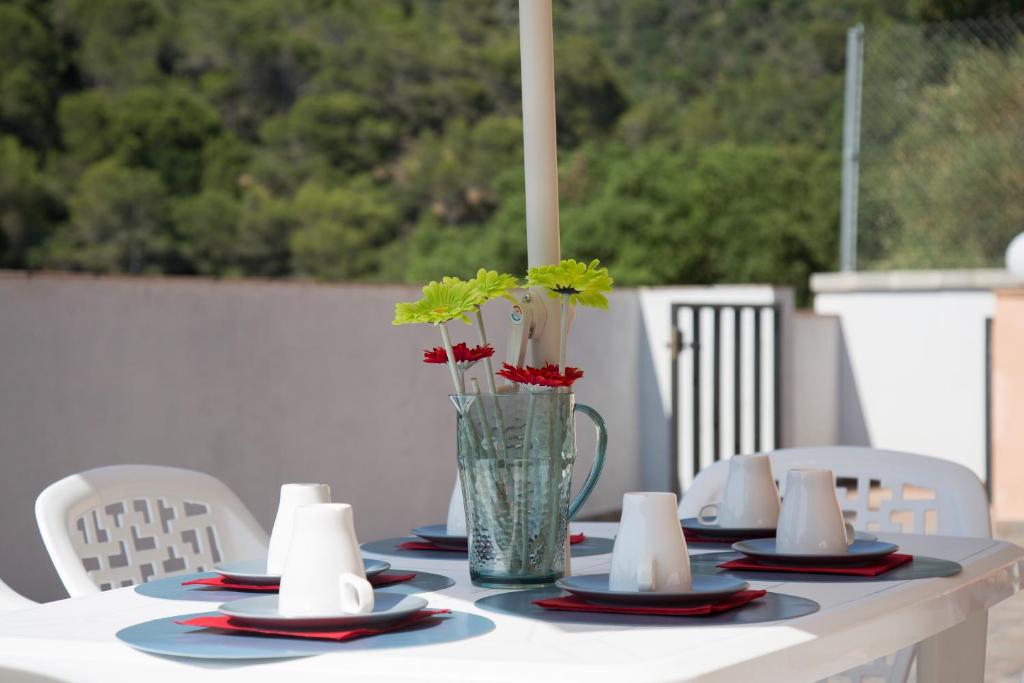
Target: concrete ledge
x: 923, y: 280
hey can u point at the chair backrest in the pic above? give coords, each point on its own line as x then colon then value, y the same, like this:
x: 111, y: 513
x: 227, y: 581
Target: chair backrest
x: 878, y: 490
x: 11, y: 600
x: 126, y: 524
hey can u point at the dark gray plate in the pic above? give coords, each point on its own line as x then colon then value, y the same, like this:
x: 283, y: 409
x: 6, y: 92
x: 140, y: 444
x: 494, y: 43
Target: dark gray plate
x: 591, y: 545
x: 170, y: 588
x: 263, y: 610
x: 255, y: 571
x: 164, y: 637
x: 920, y: 568
x: 859, y: 552
x: 772, y: 607
x: 715, y: 531
x: 737, y: 534
x: 438, y: 533
x: 705, y: 589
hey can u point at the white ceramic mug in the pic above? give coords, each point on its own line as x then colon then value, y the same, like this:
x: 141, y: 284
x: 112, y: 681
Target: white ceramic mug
x: 750, y: 499
x: 293, y: 496
x: 811, y: 522
x: 324, y: 571
x: 650, y: 552
x: 457, y: 511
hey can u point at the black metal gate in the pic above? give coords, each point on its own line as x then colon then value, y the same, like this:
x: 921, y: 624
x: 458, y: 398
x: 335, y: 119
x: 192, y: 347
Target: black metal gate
x: 725, y: 382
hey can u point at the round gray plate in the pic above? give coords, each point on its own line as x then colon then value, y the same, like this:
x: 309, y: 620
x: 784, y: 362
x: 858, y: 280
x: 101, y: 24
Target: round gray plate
x: 713, y: 531
x: 164, y: 637
x: 591, y: 545
x: 438, y: 533
x: 594, y: 588
x: 255, y: 571
x: 170, y: 588
x: 772, y: 607
x: 263, y: 610
x: 920, y: 568
x: 859, y: 552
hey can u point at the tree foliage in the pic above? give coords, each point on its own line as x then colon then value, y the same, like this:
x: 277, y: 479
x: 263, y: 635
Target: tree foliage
x: 357, y: 139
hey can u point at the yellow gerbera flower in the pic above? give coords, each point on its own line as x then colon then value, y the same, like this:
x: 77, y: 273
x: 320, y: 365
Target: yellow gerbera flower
x: 584, y: 283
x: 442, y: 301
x: 493, y: 284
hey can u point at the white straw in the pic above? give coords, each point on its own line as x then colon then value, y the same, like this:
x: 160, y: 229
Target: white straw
x: 487, y: 361
x: 456, y: 378
x: 563, y: 337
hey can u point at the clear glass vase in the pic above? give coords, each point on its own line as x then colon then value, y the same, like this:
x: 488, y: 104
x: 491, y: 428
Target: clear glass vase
x: 516, y: 456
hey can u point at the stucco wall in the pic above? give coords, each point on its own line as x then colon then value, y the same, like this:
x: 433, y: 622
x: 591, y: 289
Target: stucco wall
x: 1008, y: 405
x: 912, y: 367
x: 259, y: 383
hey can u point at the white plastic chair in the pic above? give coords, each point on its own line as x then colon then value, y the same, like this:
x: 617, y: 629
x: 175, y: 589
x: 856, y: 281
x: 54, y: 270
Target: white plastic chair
x: 878, y: 491
x: 11, y: 600
x: 128, y: 524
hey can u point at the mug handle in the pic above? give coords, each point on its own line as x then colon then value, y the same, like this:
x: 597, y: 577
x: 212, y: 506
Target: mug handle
x: 595, y: 469
x: 356, y: 594
x: 702, y: 518
x: 851, y: 534
x: 645, y: 574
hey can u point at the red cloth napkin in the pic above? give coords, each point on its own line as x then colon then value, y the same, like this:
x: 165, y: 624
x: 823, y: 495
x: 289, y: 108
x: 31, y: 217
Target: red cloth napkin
x: 229, y: 624
x: 427, y: 545
x: 874, y: 569
x: 378, y: 581
x: 572, y: 603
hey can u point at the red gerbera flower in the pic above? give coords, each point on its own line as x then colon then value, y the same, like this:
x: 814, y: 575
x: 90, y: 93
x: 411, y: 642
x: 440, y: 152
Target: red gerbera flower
x: 465, y: 357
x: 547, y: 376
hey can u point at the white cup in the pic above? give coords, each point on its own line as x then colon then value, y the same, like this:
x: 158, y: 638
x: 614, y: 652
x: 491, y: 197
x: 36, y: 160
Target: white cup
x: 750, y: 499
x: 324, y: 571
x: 811, y: 522
x: 650, y: 553
x: 293, y: 496
x: 456, y: 511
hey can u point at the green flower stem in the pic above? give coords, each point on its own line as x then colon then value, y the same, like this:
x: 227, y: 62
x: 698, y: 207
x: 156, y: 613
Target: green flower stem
x: 487, y: 361
x: 564, y: 334
x: 452, y: 367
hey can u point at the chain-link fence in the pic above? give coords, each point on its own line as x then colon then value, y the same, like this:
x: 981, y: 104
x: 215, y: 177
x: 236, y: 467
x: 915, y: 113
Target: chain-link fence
x: 941, y: 144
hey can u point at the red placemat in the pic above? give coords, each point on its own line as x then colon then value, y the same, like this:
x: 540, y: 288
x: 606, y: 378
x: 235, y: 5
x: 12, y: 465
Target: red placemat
x: 378, y: 581
x: 874, y: 569
x: 228, y: 624
x: 427, y: 545
x: 572, y: 603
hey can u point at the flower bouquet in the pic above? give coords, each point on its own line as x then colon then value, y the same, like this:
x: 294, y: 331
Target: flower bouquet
x: 516, y: 440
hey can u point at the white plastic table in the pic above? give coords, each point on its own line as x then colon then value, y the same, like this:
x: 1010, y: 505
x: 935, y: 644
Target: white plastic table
x: 73, y: 640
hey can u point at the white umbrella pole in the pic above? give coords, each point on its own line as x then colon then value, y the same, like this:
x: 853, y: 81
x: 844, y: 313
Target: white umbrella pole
x: 537, y: 57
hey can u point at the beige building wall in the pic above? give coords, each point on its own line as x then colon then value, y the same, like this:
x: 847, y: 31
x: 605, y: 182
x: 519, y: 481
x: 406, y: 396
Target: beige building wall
x: 260, y: 383
x: 1008, y: 405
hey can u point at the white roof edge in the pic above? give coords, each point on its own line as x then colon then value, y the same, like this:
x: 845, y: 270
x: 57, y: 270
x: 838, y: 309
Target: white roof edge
x: 914, y: 280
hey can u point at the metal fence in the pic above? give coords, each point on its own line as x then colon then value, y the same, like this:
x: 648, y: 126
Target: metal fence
x: 726, y: 382
x: 933, y: 144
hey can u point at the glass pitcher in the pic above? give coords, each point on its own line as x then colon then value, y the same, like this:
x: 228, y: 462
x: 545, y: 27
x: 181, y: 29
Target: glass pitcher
x: 516, y: 455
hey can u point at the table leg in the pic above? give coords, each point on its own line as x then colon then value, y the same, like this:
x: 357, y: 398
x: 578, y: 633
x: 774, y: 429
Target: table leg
x: 957, y: 655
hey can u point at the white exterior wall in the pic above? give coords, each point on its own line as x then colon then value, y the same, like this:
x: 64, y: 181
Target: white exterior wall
x: 912, y: 370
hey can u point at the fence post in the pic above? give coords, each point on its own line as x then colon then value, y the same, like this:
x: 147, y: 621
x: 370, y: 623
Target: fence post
x: 851, y: 148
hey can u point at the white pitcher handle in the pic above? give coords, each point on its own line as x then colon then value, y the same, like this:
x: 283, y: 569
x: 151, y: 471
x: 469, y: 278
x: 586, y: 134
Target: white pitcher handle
x: 851, y: 535
x: 708, y: 518
x: 645, y: 574
x: 356, y: 594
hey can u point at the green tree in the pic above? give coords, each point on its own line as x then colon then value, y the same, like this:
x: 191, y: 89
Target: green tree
x: 208, y: 228
x: 342, y: 231
x: 30, y: 68
x: 28, y: 208
x: 118, y: 222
